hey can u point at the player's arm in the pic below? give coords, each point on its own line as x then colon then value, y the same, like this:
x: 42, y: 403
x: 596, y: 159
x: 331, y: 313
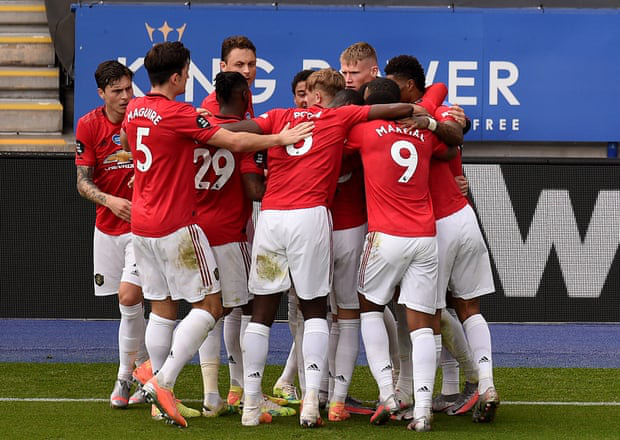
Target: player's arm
x: 86, y: 187
x: 390, y: 111
x: 242, y: 141
x: 254, y: 186
x: 463, y: 184
x: 448, y: 131
x: 124, y: 140
x: 246, y: 125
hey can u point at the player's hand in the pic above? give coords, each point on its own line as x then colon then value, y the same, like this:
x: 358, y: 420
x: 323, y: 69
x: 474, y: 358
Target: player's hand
x: 414, y: 122
x: 463, y: 184
x: 120, y: 207
x: 293, y: 135
x: 130, y: 183
x: 203, y: 111
x: 458, y: 114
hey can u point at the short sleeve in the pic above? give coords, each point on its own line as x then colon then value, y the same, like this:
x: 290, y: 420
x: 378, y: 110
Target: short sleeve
x: 253, y: 163
x: 84, y: 145
x: 267, y: 121
x: 194, y: 125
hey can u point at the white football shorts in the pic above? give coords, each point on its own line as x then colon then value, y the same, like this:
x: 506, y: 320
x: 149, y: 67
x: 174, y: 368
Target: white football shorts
x: 296, y: 240
x: 388, y: 261
x: 348, y: 246
x: 233, y: 262
x: 114, y: 262
x: 180, y: 265
x: 464, y: 265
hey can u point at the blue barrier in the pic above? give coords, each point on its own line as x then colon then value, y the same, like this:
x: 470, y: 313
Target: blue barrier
x: 520, y: 74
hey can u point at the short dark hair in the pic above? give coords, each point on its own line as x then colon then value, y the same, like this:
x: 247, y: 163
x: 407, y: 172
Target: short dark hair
x: 347, y: 97
x: 407, y: 67
x: 236, y: 42
x: 299, y: 77
x: 226, y: 84
x: 380, y: 97
x: 110, y: 72
x: 164, y: 60
x: 384, y: 85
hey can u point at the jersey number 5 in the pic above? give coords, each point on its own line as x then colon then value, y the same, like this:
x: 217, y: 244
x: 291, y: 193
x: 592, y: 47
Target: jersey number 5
x: 223, y: 172
x: 141, y: 133
x: 411, y: 161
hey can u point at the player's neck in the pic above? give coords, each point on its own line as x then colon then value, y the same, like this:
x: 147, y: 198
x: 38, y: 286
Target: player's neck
x: 113, y: 117
x: 167, y: 90
x: 232, y: 111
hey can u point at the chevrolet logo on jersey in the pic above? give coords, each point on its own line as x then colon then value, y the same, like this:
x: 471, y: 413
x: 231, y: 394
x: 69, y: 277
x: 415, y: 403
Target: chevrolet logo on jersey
x: 119, y: 157
x: 166, y: 31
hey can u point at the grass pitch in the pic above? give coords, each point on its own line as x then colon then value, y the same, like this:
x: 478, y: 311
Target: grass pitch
x: 541, y: 403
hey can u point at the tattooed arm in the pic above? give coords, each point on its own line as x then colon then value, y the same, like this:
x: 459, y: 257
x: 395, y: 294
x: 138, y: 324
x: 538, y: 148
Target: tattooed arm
x: 86, y: 187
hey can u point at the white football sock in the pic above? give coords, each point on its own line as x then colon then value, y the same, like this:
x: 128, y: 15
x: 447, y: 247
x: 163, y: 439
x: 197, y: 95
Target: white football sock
x: 424, y: 366
x: 479, y: 337
x: 346, y: 355
x: 392, y: 331
x: 332, y: 346
x: 188, y: 337
x: 290, y: 368
x: 453, y: 337
x: 245, y: 320
x: 143, y: 354
x: 130, y: 337
x: 437, y: 350
x: 375, y: 338
x: 449, y: 373
x: 232, y: 332
x: 299, y: 352
x: 405, y: 375
x: 316, y: 338
x: 209, y: 354
x: 158, y: 339
x: 256, y: 348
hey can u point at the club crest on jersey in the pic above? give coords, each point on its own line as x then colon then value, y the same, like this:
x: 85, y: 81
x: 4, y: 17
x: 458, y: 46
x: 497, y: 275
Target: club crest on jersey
x: 202, y: 122
x: 99, y: 279
x: 79, y: 147
x: 116, y: 139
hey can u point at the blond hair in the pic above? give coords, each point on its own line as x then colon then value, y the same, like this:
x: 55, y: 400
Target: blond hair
x: 329, y: 80
x: 358, y: 52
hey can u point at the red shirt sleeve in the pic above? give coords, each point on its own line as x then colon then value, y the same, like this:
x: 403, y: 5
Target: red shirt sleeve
x: 434, y: 96
x: 84, y: 145
x: 267, y: 121
x: 194, y: 125
x: 249, y: 164
x: 439, y: 148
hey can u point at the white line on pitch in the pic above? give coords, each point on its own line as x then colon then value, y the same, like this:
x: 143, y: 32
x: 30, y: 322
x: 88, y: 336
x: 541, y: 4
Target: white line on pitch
x: 53, y: 399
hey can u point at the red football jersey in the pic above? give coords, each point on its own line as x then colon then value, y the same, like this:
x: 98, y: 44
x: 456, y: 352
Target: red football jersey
x: 396, y: 169
x: 223, y: 208
x: 210, y: 103
x: 445, y: 193
x: 305, y: 175
x: 349, y: 205
x: 98, y: 145
x: 162, y: 135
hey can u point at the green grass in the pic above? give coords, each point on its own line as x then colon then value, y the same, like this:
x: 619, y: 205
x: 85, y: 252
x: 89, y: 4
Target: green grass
x: 95, y: 420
